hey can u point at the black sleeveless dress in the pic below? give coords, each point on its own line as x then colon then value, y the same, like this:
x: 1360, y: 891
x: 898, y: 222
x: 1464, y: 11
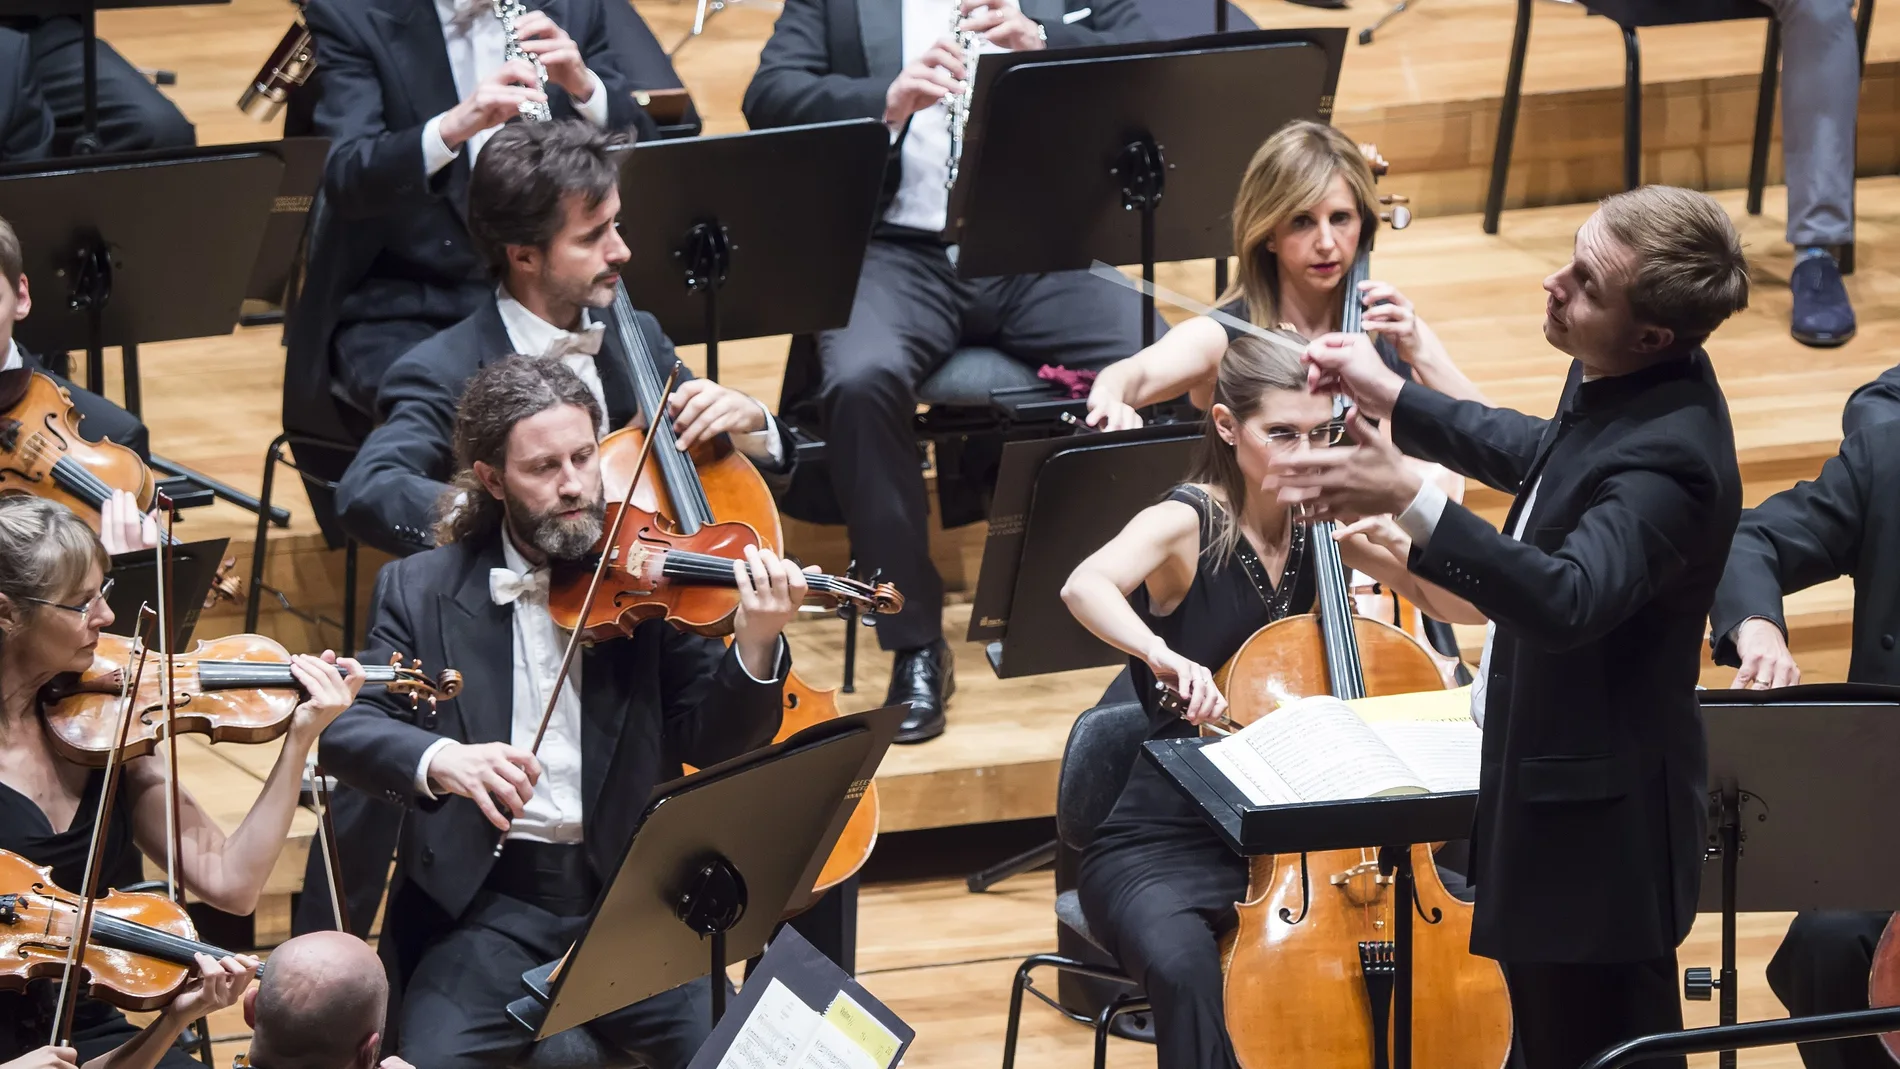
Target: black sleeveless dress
x: 27, y: 1017
x: 1157, y: 885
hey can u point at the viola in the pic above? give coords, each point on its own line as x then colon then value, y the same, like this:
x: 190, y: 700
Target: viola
x: 1883, y: 982
x: 234, y: 689
x: 138, y: 956
x: 653, y: 570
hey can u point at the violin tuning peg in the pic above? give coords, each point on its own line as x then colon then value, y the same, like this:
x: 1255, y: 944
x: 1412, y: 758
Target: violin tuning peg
x: 1398, y: 218
x: 395, y: 660
x: 1394, y: 198
x: 416, y: 664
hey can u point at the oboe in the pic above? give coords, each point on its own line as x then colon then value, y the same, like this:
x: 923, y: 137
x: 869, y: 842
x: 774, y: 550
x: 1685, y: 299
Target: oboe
x: 508, y: 11
x: 958, y: 104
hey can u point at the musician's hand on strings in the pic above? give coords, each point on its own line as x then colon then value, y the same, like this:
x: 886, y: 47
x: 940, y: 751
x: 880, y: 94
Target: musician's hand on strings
x: 771, y: 589
x: 1766, y: 662
x: 703, y: 410
x: 1382, y: 531
x: 924, y: 81
x: 558, y: 53
x: 1348, y: 364
x: 495, y: 101
x: 123, y: 528
x: 1112, y: 414
x: 1003, y: 24
x: 328, y: 693
x: 220, y: 984
x: 1345, y: 482
x: 497, y: 777
x: 1193, y: 682
x: 45, y: 1058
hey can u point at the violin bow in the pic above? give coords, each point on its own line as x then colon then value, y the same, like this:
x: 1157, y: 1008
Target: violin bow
x: 95, y: 854
x: 600, y: 570
x: 174, y: 832
x: 326, y: 836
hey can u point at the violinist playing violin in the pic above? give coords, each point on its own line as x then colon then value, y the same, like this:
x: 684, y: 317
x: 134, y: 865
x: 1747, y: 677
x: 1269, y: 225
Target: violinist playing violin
x: 1179, y: 590
x: 1588, y: 845
x: 53, y: 586
x: 461, y: 923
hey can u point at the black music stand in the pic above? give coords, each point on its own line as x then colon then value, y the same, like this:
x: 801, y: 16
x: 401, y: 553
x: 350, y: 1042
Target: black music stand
x: 754, y: 234
x: 195, y: 567
x: 1793, y: 775
x: 131, y: 248
x: 700, y: 886
x: 1035, y: 196
x: 1393, y: 825
x: 1058, y: 500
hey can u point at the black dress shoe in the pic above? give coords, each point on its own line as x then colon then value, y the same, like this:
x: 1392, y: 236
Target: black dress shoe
x: 924, y: 677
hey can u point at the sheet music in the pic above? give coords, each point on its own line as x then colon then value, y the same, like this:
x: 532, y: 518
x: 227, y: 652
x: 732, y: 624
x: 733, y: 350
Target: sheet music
x: 782, y: 1032
x: 1444, y: 753
x: 1246, y: 769
x: 1322, y: 752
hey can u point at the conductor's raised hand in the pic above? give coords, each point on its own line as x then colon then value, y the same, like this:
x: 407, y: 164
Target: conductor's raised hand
x: 924, y: 81
x: 771, y: 589
x: 1345, y: 482
x: 1003, y: 24
x: 497, y: 99
x: 558, y: 53
x: 497, y: 777
x: 1193, y: 682
x: 1348, y: 364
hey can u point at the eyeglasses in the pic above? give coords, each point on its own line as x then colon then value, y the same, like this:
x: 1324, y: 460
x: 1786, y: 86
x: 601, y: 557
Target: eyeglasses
x: 84, y: 608
x: 1321, y: 437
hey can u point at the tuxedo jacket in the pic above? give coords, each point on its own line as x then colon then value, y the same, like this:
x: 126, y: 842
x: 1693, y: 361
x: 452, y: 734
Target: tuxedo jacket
x: 829, y: 60
x: 387, y: 240
x: 26, y: 124
x: 1845, y: 522
x: 1588, y: 840
x: 648, y: 703
x: 389, y: 496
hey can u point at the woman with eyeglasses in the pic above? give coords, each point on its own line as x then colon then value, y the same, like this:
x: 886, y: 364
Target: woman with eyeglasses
x: 1179, y: 590
x: 53, y: 588
x: 1305, y: 209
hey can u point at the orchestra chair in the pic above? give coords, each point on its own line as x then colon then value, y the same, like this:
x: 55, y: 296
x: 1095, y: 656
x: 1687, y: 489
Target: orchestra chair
x: 1103, y: 745
x: 308, y: 453
x: 195, y: 1040
x: 1630, y: 16
x: 575, y: 1048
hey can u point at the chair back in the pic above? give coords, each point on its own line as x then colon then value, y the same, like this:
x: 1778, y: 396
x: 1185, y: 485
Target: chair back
x: 1103, y: 746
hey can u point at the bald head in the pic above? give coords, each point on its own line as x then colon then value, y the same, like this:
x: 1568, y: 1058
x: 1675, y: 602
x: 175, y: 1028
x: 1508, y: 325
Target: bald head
x: 320, y: 1004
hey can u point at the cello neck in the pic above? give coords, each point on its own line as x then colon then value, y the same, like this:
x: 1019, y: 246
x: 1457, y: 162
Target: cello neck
x: 691, y: 508
x: 1343, y: 667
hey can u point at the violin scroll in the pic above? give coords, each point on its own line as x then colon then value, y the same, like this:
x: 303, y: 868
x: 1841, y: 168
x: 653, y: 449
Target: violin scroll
x: 413, y: 683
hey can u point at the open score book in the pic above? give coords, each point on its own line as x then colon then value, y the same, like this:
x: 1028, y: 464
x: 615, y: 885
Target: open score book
x: 1323, y: 749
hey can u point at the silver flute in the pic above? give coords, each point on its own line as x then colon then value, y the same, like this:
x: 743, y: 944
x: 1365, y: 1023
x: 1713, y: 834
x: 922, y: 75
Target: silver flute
x: 507, y: 11
x: 958, y: 104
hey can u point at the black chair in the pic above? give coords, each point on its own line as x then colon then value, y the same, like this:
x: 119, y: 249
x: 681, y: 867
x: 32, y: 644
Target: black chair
x: 311, y: 453
x: 1103, y: 745
x: 1629, y: 16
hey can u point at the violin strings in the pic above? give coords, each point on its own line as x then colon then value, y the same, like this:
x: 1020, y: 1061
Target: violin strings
x: 687, y: 565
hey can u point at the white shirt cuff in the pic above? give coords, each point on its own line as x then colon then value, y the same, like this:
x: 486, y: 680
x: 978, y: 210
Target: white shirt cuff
x: 778, y: 655
x: 595, y: 110
x: 1420, y: 518
x: 763, y: 442
x: 422, y: 767
x: 436, y: 153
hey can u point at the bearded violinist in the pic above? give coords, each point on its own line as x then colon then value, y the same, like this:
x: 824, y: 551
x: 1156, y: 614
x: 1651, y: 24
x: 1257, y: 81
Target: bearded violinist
x: 461, y: 924
x: 53, y: 606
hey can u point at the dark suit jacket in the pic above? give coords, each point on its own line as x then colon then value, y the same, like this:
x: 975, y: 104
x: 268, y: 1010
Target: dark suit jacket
x: 649, y: 703
x: 833, y: 59
x: 1846, y: 522
x: 1876, y: 402
x: 1591, y: 811
x: 26, y: 124
x: 389, y: 242
x: 388, y: 497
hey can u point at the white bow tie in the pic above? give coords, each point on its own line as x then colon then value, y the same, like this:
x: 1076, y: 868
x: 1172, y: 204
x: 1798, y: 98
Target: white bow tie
x: 584, y: 341
x: 506, y: 586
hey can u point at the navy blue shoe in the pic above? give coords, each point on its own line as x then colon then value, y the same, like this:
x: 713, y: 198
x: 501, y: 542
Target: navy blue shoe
x: 1823, y: 317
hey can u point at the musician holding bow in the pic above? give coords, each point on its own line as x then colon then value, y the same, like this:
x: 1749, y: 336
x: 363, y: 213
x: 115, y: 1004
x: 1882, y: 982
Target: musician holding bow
x: 462, y: 924
x: 52, y: 610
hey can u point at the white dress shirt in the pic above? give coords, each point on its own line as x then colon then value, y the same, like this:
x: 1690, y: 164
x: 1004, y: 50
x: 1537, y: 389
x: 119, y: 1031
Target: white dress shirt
x: 579, y: 349
x: 921, y: 202
x: 14, y: 360
x: 476, y: 46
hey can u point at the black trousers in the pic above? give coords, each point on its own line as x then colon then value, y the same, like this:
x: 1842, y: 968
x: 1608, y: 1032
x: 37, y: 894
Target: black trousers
x: 911, y: 313
x: 1565, y: 1014
x: 133, y: 114
x: 1821, y: 967
x: 454, y: 1005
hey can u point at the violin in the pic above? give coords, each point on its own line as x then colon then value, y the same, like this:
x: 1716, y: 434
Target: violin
x: 138, y: 955
x: 1883, y: 982
x: 41, y: 453
x: 234, y: 689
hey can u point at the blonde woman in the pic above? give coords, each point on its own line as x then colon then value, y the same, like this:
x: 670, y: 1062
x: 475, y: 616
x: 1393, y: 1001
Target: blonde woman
x: 1305, y: 212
